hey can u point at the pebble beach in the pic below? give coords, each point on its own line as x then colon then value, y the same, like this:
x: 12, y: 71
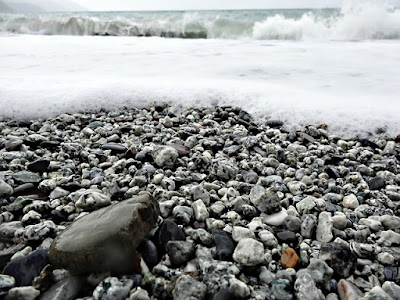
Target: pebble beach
x: 195, y: 203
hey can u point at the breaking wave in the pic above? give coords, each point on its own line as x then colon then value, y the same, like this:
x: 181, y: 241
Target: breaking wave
x: 355, y: 21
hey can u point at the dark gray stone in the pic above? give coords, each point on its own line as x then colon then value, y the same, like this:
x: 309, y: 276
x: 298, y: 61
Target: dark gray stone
x: 392, y: 274
x: 149, y: 253
x: 293, y: 223
x: 114, y: 147
x: 224, y: 243
x: 7, y: 253
x: 39, y: 165
x: 274, y: 123
x: 25, y: 269
x: 65, y: 289
x: 180, y: 252
x: 106, y: 239
x: 376, y: 183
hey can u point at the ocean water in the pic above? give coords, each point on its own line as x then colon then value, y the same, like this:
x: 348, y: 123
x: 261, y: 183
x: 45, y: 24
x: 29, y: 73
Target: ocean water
x: 335, y: 66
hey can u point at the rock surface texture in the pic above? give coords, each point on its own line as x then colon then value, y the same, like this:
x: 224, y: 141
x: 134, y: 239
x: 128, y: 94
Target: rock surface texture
x: 105, y: 240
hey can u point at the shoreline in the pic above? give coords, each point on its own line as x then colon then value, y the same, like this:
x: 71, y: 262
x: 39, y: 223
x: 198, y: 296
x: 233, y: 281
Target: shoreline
x: 260, y: 211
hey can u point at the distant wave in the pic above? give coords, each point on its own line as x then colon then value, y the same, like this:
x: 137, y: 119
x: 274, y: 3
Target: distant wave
x: 354, y: 22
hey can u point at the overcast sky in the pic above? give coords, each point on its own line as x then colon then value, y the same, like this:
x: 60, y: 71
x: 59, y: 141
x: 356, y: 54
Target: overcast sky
x: 203, y: 4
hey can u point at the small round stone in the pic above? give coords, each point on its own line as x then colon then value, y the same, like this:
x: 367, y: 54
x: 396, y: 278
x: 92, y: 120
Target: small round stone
x: 289, y: 258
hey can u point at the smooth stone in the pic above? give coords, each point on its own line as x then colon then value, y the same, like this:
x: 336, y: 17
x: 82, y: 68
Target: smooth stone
x: 5, y: 189
x: 24, y: 252
x: 22, y: 293
x: 13, y: 144
x: 106, y: 239
x: 72, y: 186
x: 224, y: 244
x: 392, y: 289
x: 289, y: 258
x: 39, y: 166
x: 165, y: 156
x: 180, y: 252
x: 249, y: 252
x: 339, y: 220
x: 25, y: 269
x: 26, y: 177
x: 268, y: 238
x: 286, y: 236
x: 149, y: 252
x: 186, y: 287
x: 376, y: 183
x: 274, y: 123
x: 339, y: 257
x: 239, y: 232
x: 112, y: 288
x: 386, y: 259
x: 95, y: 124
x: 292, y: 223
x: 350, y: 201
x: 276, y: 219
x: 90, y: 199
x: 324, y: 227
x: 58, y: 193
x: 348, y: 291
x: 200, y: 210
x: 390, y: 222
x: 65, y: 289
x: 114, y: 147
x: 23, y: 189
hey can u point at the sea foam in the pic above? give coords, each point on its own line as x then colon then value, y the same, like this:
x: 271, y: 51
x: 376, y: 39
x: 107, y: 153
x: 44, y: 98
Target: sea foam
x: 351, y: 86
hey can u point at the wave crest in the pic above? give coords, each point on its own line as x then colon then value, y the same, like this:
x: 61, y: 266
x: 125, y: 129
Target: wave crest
x: 356, y: 21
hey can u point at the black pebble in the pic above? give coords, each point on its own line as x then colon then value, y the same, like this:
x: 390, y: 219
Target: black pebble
x: 225, y: 244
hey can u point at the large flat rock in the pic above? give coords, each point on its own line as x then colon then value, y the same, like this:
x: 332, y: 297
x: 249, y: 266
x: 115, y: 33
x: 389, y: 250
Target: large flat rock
x: 106, y: 239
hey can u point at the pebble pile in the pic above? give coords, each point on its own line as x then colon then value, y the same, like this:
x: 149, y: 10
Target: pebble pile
x: 161, y: 203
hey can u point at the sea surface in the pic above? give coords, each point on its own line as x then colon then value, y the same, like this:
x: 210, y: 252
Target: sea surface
x: 340, y: 67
